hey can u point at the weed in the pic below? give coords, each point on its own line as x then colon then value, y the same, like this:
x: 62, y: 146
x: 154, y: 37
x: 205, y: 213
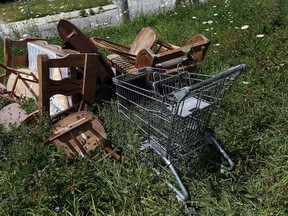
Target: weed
x: 83, y: 13
x: 91, y: 12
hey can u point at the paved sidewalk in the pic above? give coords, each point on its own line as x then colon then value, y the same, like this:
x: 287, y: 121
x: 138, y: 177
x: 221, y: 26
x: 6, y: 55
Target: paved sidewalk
x: 46, y: 26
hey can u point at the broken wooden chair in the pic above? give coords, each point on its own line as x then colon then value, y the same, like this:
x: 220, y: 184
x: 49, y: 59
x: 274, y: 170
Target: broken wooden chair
x: 73, y: 38
x: 146, y: 38
x: 70, y: 85
x: 80, y: 132
x: 166, y: 56
x: 20, y: 82
x: 20, y: 64
x: 16, y: 63
x: 172, y: 58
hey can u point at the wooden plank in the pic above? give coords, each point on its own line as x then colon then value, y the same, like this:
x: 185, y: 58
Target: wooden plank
x: 7, y: 54
x: 146, y: 38
x: 90, y: 78
x: 43, y: 77
x: 19, y: 61
x: 175, y: 53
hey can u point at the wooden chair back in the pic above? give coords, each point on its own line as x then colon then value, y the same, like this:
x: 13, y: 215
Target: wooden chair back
x: 85, y: 86
x: 15, y: 54
x: 146, y: 38
x: 188, y: 57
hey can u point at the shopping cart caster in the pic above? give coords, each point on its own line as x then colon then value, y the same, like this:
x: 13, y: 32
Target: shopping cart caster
x: 210, y: 135
x: 190, y: 210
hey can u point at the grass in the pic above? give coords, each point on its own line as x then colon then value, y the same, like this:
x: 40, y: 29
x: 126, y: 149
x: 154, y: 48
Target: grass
x: 21, y: 10
x: 252, y: 126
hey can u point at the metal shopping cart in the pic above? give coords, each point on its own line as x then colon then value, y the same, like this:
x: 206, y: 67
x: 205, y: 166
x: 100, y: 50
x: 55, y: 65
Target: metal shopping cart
x: 175, y: 112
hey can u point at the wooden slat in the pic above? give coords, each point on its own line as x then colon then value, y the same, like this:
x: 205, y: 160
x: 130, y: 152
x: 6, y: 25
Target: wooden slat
x: 175, y: 53
x: 44, y: 90
x: 54, y: 48
x: 7, y: 54
x: 68, y: 86
x: 91, y: 64
x: 146, y: 38
x: 71, y: 60
x: 19, y: 61
x: 23, y: 43
x: 78, y: 144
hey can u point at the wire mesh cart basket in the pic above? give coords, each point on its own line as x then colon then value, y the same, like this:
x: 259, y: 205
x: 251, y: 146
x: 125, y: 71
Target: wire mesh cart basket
x: 175, y: 112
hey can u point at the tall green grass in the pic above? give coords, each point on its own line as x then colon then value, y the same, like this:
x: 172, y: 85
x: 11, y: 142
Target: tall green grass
x: 252, y: 127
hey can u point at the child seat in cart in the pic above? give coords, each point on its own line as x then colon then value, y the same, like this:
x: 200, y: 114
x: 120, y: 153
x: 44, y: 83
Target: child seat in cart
x: 176, y: 113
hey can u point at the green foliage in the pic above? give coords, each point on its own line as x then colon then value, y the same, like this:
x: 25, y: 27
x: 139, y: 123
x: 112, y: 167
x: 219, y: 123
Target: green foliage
x: 252, y: 126
x: 91, y: 12
x: 28, y: 104
x: 83, y: 13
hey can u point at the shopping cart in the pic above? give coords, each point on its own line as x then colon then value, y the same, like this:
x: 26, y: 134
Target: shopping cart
x: 175, y: 112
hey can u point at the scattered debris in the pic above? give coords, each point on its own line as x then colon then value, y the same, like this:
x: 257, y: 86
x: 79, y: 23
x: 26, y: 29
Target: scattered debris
x: 152, y: 75
x: 51, y: 75
x: 167, y: 56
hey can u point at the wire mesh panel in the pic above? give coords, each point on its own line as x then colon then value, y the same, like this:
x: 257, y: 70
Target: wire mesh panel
x: 173, y: 110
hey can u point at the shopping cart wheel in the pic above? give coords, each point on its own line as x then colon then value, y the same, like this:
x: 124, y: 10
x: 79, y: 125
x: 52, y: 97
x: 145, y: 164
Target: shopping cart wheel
x: 210, y: 135
x: 191, y: 210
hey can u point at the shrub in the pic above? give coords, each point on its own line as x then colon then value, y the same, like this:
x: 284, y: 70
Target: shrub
x: 91, y: 12
x: 83, y: 13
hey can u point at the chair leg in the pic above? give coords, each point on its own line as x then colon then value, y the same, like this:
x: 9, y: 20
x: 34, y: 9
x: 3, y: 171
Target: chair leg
x: 82, y: 150
x: 14, y: 85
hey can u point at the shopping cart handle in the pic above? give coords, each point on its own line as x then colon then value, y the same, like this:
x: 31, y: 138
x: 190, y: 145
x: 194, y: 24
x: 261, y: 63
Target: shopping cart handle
x: 234, y: 71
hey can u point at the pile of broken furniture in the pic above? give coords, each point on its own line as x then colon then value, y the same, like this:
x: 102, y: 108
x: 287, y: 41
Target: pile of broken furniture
x: 77, y: 75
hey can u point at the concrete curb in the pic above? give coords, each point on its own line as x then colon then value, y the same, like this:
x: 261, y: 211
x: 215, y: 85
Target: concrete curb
x: 46, y: 27
x: 19, y: 27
